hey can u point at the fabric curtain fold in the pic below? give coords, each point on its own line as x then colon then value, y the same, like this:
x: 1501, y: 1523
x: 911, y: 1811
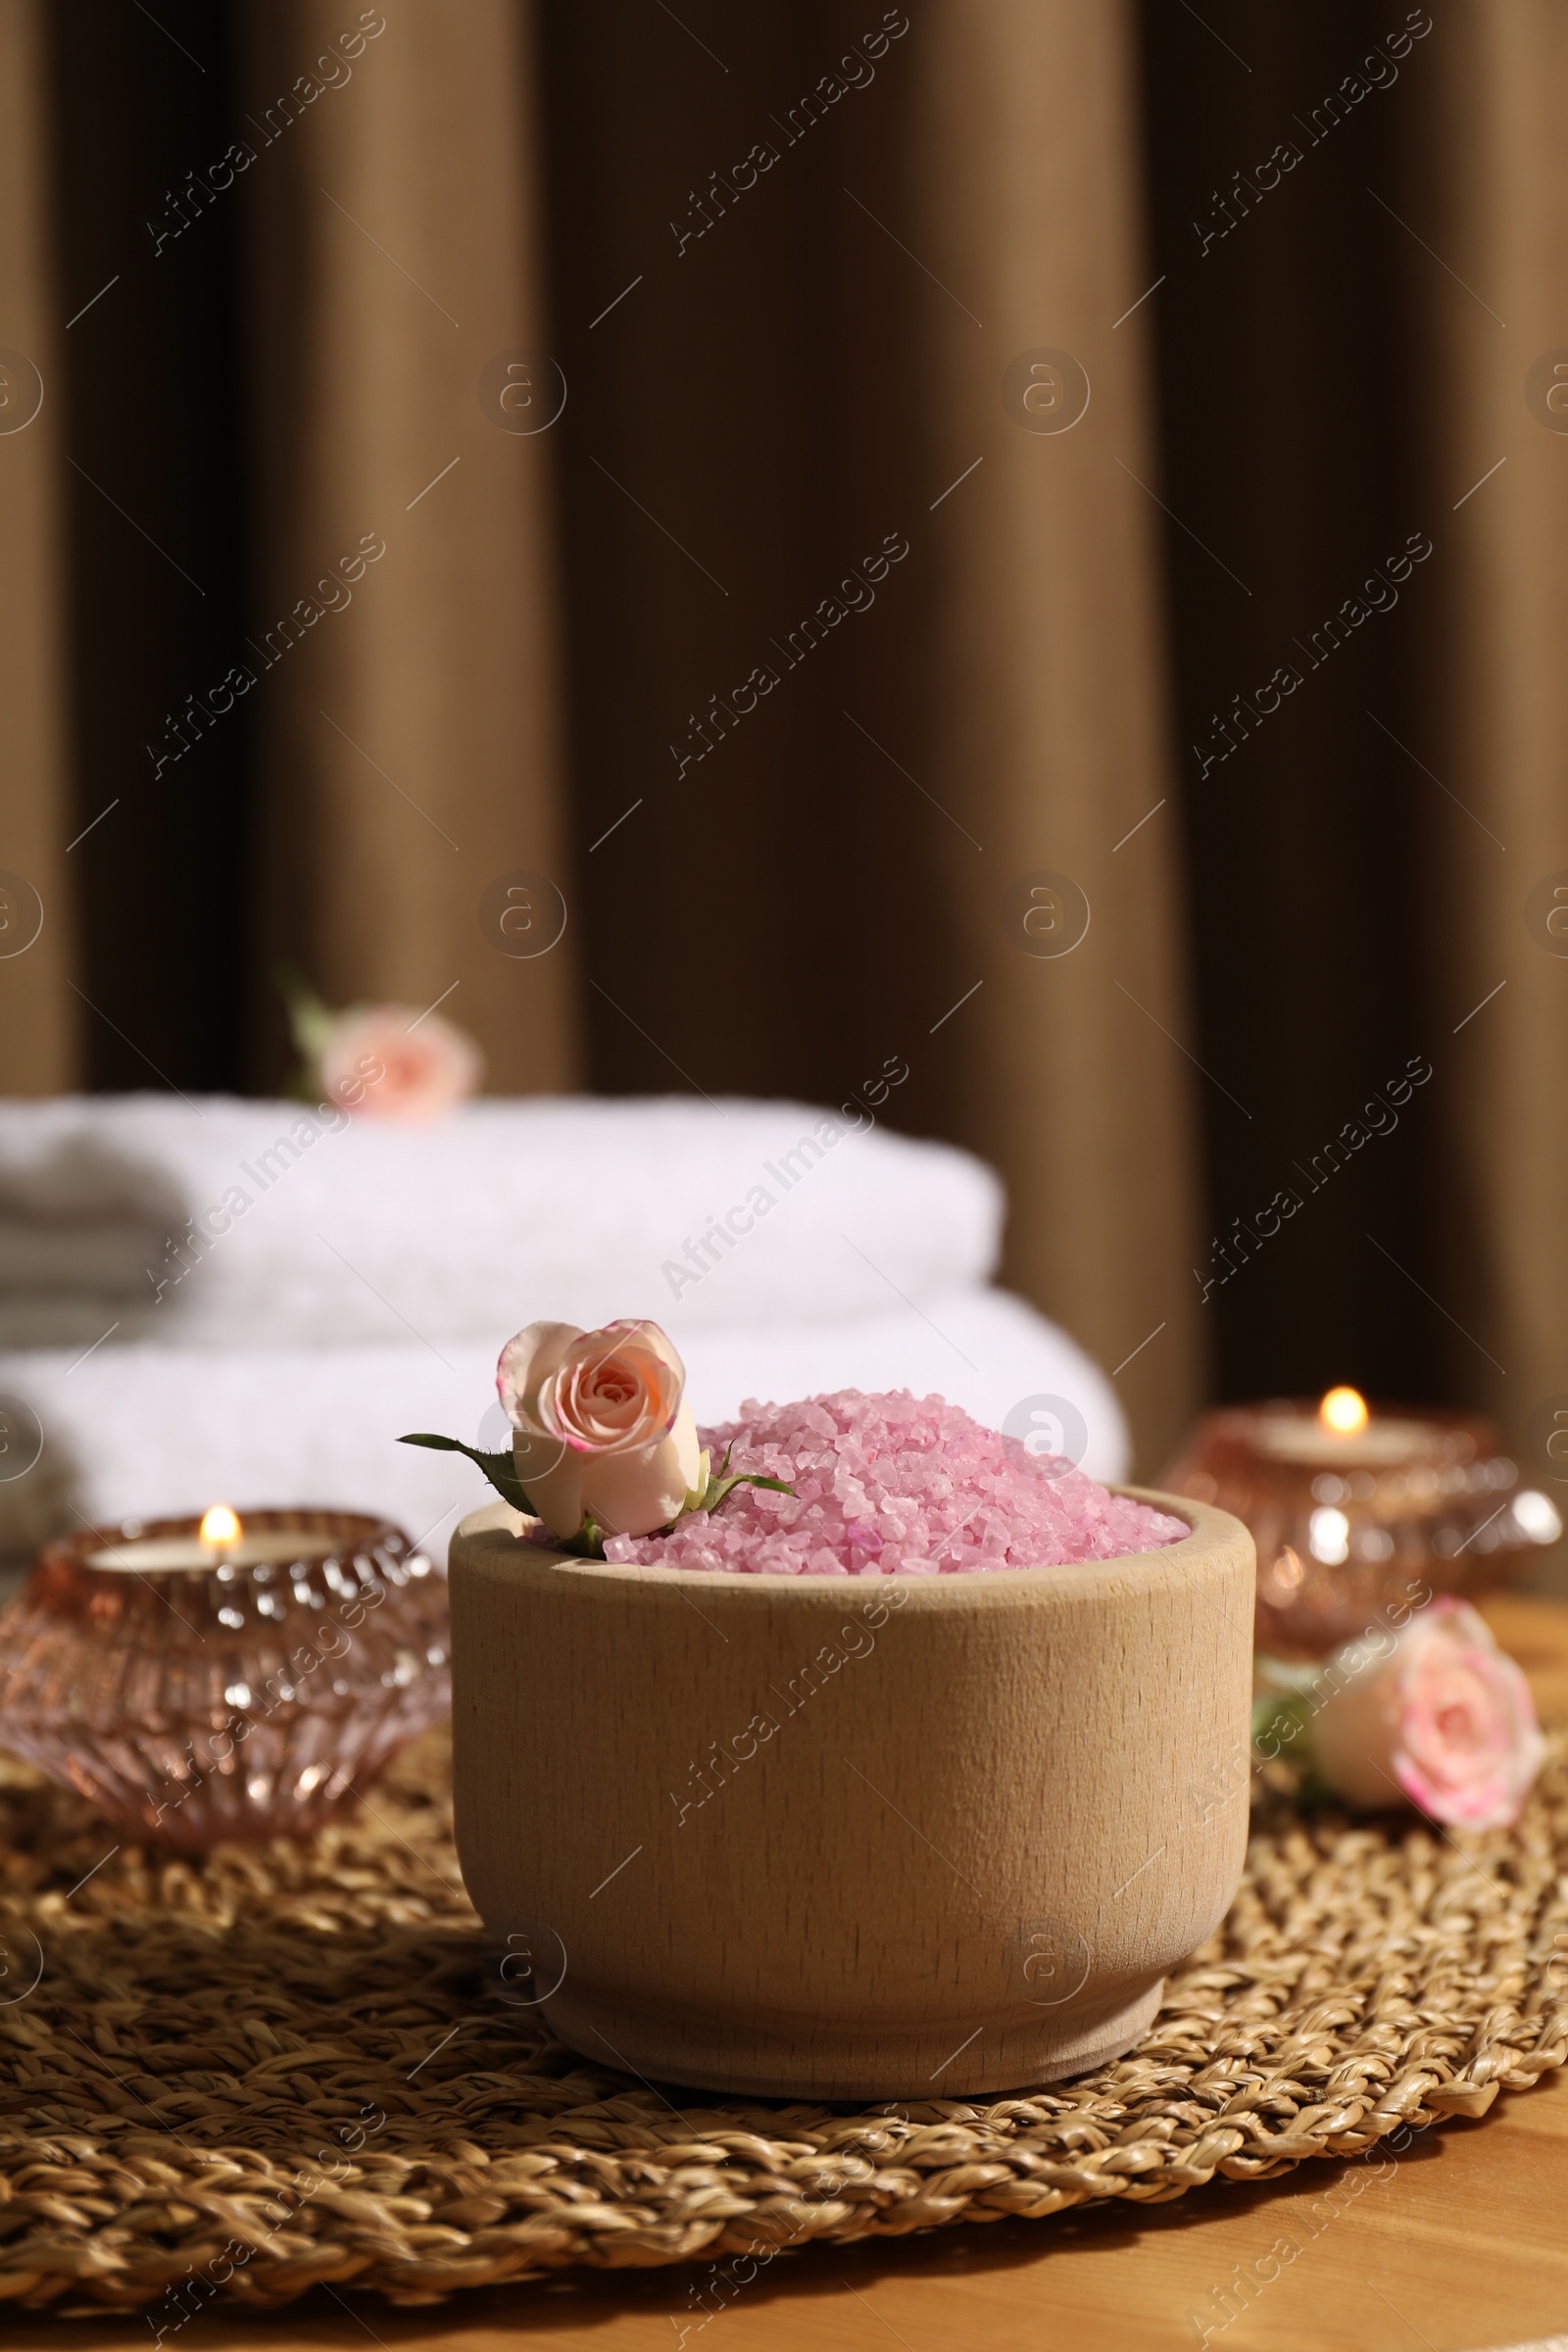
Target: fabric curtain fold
x: 807, y: 496
x: 405, y: 643
x: 39, y: 1027
x: 1489, y: 327
x: 1051, y: 729
x: 818, y: 799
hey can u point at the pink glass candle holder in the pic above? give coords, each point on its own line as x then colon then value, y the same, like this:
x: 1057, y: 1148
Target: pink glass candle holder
x: 1356, y: 1511
x: 202, y: 1690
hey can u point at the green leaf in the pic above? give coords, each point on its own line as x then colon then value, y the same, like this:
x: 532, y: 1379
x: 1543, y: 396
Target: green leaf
x: 308, y: 1019
x: 719, y: 1488
x: 1282, y: 1731
x: 1279, y: 1719
x: 497, y: 1468
x: 588, y: 1543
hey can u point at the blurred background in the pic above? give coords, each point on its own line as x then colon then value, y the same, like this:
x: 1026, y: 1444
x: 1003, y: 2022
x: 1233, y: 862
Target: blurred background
x: 830, y: 468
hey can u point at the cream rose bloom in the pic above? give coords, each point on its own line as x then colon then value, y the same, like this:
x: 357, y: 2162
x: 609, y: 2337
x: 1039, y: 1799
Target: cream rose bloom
x: 1446, y: 1720
x: 600, y: 1426
x: 390, y: 1062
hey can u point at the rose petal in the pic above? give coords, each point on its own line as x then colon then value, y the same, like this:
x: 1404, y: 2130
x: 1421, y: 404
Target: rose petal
x: 526, y: 1361
x: 1446, y: 1719
x: 659, y: 1343
x: 611, y: 1391
x: 552, y: 1476
x: 632, y: 1493
x: 390, y: 1062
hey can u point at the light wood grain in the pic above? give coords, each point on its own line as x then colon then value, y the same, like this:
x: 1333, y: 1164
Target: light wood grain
x: 883, y: 1837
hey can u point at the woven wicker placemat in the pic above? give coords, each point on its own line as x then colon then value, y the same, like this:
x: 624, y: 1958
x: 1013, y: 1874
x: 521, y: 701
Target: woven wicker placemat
x: 299, y: 2065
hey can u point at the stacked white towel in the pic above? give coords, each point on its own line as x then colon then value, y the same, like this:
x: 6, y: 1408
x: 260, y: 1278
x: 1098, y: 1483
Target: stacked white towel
x: 249, y: 1301
x: 80, y: 1220
x: 292, y: 1224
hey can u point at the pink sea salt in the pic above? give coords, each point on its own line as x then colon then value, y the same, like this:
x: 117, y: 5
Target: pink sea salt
x: 893, y: 1485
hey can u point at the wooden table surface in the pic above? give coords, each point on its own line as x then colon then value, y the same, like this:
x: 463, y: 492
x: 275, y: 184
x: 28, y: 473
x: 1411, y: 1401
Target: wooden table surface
x: 1461, y: 2244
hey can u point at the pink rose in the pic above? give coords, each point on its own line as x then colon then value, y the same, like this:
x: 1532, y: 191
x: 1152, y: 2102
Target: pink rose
x: 1446, y: 1720
x: 602, y: 1428
x: 389, y: 1061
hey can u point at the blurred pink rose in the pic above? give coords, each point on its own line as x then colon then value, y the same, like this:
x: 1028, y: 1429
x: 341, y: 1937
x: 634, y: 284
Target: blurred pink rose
x: 1446, y: 1720
x: 388, y: 1061
x: 600, y: 1426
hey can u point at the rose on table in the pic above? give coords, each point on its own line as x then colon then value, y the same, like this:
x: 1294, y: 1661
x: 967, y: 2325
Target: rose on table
x: 1441, y: 1719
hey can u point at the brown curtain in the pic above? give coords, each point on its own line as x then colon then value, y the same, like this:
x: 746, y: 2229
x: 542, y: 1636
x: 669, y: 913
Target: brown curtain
x: 794, y: 653
x: 410, y: 740
x: 1488, y: 175
x: 1051, y: 725
x: 38, y: 1015
x: 804, y: 363
x: 1344, y: 348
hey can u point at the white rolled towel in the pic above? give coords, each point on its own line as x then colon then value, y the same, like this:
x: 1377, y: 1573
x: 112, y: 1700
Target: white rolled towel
x: 147, y: 1431
x: 78, y: 1220
x: 301, y: 1224
x: 106, y: 1258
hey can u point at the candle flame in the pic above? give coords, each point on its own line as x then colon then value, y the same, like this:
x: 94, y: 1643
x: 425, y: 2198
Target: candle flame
x: 220, y: 1527
x: 1343, y: 1411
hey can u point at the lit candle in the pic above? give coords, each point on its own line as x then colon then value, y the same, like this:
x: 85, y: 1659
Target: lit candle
x: 220, y: 1542
x: 221, y: 1529
x: 1356, y: 1511
x: 200, y: 1679
x: 1343, y: 1435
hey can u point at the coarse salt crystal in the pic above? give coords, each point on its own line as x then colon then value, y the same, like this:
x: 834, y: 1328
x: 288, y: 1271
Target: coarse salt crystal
x: 890, y: 1485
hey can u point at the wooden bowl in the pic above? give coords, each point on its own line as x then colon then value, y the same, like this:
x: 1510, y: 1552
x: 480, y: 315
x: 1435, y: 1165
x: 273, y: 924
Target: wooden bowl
x: 851, y: 1837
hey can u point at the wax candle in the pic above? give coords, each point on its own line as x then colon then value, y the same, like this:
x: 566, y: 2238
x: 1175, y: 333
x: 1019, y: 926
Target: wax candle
x: 1360, y: 1512
x: 214, y: 1681
x: 220, y: 1542
x: 1343, y: 1435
